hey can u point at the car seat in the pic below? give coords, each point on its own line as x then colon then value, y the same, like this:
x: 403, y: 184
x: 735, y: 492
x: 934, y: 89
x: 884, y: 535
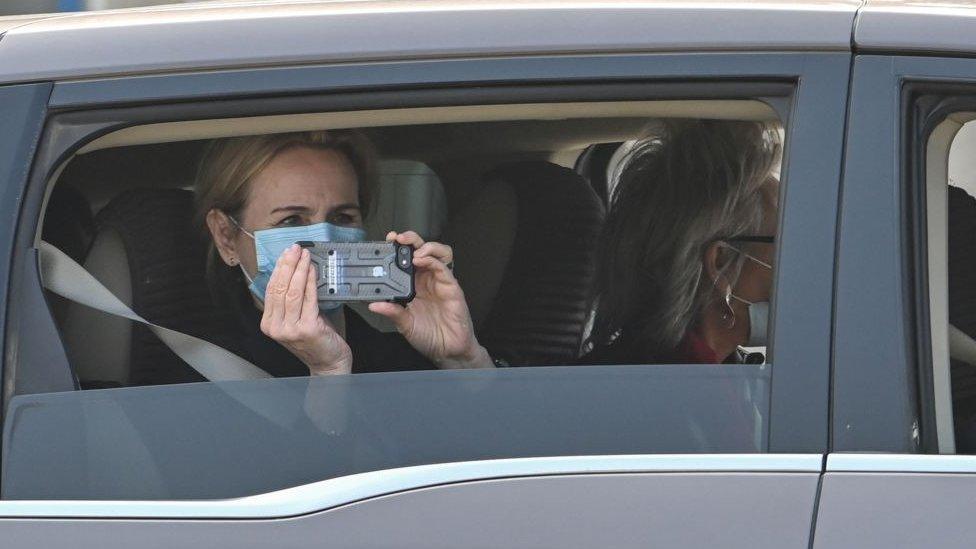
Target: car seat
x: 148, y: 255
x: 524, y: 251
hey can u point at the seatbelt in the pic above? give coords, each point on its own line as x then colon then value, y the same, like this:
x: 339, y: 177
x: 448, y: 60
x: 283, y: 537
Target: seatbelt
x: 961, y: 346
x: 63, y: 276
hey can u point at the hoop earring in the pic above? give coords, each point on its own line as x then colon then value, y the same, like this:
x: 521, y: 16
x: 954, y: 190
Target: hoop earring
x: 729, y: 314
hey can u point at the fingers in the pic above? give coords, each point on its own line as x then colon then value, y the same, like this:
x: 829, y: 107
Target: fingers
x: 310, y: 306
x: 295, y: 296
x: 436, y: 267
x: 441, y: 252
x: 408, y: 238
x: 274, y: 296
x: 397, y: 314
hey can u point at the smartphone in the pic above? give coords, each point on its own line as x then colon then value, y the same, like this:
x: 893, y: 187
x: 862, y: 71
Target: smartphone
x: 362, y: 271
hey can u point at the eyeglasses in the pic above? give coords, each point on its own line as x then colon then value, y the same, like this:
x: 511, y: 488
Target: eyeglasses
x: 747, y: 255
x: 751, y: 238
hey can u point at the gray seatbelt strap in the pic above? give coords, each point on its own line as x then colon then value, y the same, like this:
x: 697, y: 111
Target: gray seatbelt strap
x: 63, y: 276
x: 961, y: 346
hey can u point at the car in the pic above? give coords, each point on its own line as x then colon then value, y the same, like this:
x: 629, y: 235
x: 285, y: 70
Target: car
x: 502, y: 128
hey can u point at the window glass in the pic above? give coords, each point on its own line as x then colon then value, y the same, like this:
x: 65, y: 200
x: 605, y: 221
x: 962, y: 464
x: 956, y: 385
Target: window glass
x: 218, y: 440
x: 961, y: 224
x: 546, y: 320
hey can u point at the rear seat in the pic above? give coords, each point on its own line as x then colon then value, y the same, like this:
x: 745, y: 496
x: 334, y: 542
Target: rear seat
x: 524, y: 250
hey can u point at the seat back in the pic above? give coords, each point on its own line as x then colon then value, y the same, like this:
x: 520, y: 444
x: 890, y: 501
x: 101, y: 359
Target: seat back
x: 525, y: 257
x: 147, y: 253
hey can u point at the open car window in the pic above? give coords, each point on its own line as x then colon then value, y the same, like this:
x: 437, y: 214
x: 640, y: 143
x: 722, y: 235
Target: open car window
x: 526, y: 230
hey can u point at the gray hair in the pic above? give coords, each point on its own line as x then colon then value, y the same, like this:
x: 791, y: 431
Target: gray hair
x: 699, y: 182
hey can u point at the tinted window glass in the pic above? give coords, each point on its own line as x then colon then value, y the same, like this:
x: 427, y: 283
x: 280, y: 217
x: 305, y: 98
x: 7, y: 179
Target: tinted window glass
x: 636, y: 326
x: 220, y: 440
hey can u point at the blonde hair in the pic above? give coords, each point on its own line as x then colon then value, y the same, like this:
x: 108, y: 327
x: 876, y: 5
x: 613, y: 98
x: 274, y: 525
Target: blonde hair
x: 229, y: 165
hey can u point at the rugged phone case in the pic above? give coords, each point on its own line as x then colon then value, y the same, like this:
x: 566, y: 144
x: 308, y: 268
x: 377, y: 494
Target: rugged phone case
x: 362, y: 271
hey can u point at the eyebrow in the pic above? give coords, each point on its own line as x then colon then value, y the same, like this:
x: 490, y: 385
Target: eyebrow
x: 305, y: 209
x: 291, y: 209
x: 346, y: 206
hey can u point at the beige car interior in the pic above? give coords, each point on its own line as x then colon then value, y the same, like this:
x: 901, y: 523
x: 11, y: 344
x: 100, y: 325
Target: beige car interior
x: 495, y: 182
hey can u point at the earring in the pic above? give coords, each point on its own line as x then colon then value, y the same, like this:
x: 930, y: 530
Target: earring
x: 729, y: 314
x: 232, y: 261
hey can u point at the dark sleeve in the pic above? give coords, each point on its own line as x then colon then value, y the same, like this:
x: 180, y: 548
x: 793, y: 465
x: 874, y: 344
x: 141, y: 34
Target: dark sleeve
x: 376, y: 351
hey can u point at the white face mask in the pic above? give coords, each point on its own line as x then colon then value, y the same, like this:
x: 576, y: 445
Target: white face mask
x: 758, y: 321
x: 758, y: 310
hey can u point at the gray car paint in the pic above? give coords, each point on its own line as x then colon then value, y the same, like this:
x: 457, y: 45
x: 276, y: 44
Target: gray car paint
x: 748, y: 510
x: 873, y: 365
x: 874, y: 361
x: 22, y: 112
x: 895, y: 510
x: 204, y: 37
x: 915, y: 27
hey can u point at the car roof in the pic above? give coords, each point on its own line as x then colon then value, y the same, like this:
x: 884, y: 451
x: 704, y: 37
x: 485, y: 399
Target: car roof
x: 917, y: 26
x: 216, y: 35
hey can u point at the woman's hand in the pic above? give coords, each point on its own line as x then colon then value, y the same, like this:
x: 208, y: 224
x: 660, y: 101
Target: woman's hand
x: 291, y: 316
x: 437, y: 322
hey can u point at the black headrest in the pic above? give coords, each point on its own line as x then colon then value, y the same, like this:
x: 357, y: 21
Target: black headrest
x: 541, y: 307
x: 68, y: 222
x: 166, y: 259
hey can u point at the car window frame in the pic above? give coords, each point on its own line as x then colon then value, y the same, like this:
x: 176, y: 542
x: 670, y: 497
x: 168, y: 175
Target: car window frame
x: 928, y: 106
x: 80, y: 113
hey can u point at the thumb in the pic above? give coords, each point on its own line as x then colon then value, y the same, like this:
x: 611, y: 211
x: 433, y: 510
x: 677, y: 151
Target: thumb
x: 398, y: 314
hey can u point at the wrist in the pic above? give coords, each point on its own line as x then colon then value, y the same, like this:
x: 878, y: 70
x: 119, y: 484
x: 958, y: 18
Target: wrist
x: 475, y: 357
x: 338, y: 366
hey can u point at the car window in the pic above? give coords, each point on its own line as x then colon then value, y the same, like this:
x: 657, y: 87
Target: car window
x: 543, y: 272
x: 951, y: 210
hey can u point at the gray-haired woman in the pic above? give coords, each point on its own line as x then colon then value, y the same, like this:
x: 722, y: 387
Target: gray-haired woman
x: 686, y: 263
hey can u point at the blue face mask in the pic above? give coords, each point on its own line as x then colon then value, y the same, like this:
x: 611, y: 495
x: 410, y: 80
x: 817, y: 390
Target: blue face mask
x: 269, y: 244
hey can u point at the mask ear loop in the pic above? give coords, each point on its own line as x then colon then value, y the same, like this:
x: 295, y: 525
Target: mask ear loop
x: 251, y: 235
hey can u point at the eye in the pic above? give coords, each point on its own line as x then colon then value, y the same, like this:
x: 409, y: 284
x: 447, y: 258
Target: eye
x: 344, y: 218
x: 290, y: 221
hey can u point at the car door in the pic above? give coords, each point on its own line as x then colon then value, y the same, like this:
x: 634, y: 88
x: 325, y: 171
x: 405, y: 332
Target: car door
x: 896, y: 476
x: 531, y: 457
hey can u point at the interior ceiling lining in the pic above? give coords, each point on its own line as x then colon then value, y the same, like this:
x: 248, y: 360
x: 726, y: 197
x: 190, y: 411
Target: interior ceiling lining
x: 169, y: 132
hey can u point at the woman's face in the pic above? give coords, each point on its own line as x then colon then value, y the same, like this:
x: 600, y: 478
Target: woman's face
x: 300, y: 186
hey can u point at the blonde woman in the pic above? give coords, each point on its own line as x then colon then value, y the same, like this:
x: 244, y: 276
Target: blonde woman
x: 259, y: 189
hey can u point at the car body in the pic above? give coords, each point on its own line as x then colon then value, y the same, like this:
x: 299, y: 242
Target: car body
x: 855, y: 452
